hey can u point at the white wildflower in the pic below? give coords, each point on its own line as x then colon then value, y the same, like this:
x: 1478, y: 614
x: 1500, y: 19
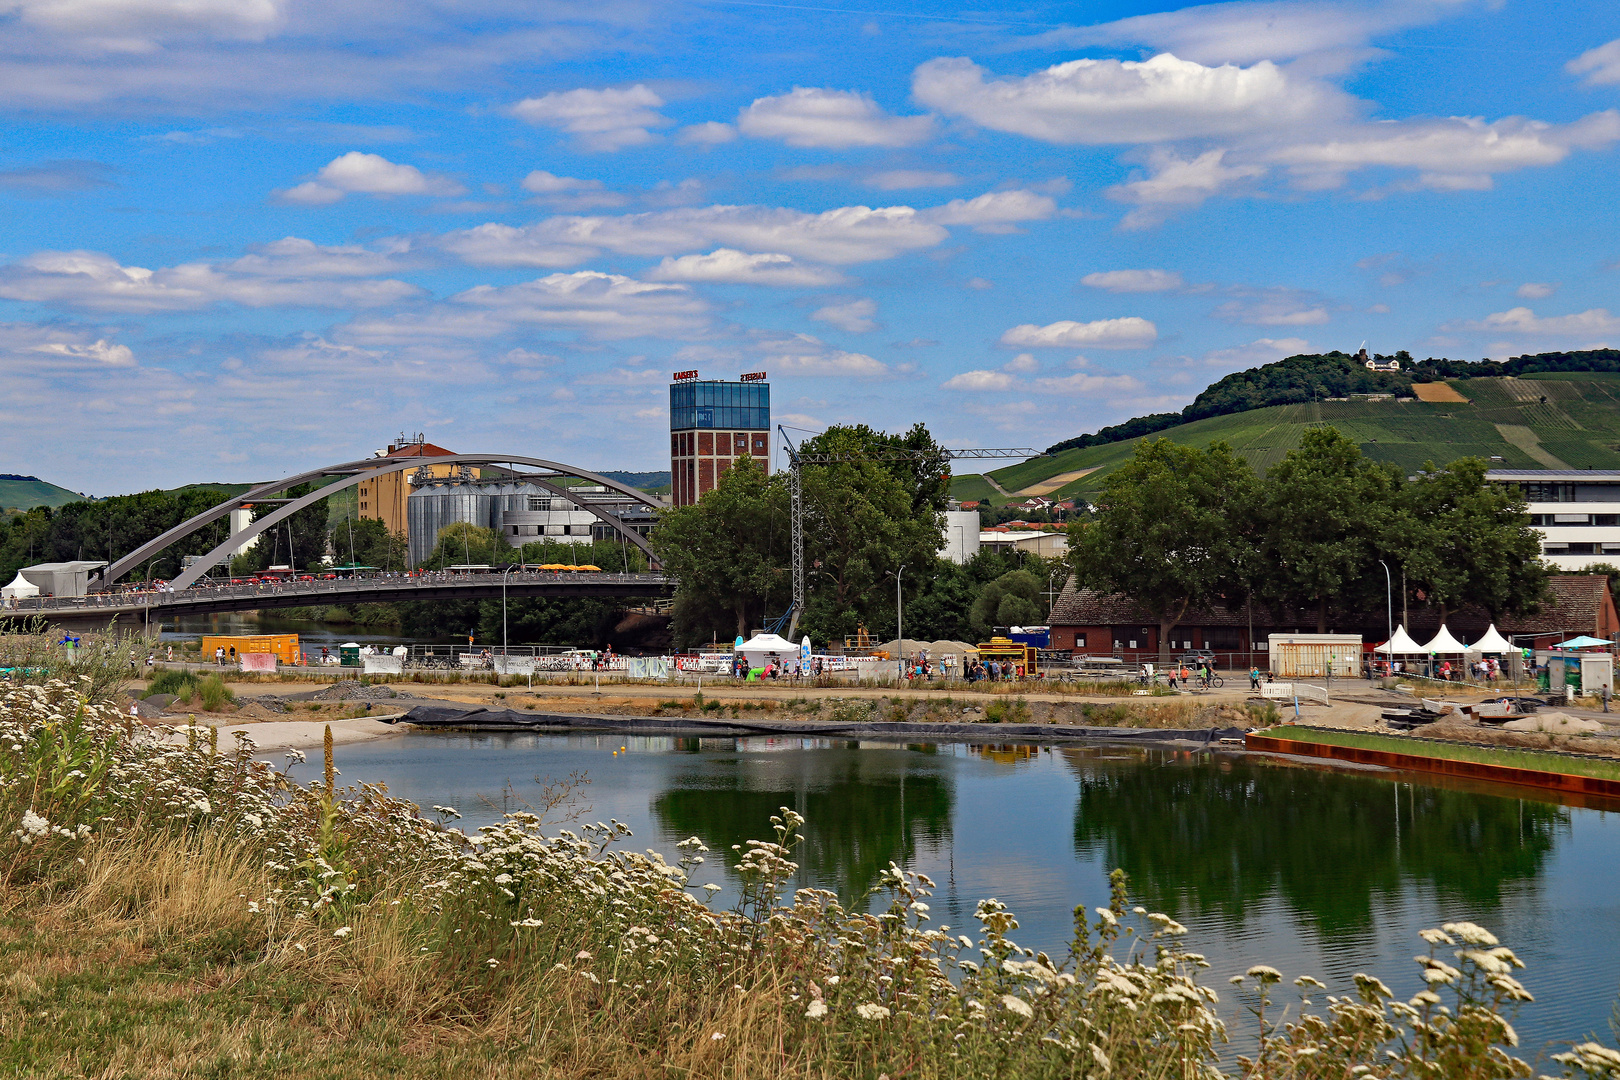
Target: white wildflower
x: 817, y: 1009
x: 872, y: 1012
x: 343, y: 931
x: 1264, y: 974
x: 1470, y: 933
x: 1018, y: 1005
x: 717, y: 1036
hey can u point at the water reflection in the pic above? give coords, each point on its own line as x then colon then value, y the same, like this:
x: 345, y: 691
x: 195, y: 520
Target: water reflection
x: 865, y: 807
x: 1221, y: 837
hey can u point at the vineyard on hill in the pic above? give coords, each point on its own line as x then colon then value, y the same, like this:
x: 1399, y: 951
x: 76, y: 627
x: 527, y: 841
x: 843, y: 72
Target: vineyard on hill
x: 1543, y: 420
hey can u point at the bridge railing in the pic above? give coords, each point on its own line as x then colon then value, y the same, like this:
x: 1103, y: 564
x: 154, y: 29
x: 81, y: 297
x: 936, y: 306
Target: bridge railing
x: 143, y: 599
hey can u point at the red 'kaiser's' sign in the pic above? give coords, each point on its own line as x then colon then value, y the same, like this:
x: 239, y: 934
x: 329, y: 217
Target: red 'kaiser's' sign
x: 754, y: 376
x: 682, y: 376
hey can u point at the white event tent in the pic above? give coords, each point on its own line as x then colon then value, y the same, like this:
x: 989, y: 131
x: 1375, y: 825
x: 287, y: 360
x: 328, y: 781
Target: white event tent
x: 1399, y: 645
x: 1492, y: 642
x: 1444, y: 643
x: 762, y: 648
x: 20, y: 588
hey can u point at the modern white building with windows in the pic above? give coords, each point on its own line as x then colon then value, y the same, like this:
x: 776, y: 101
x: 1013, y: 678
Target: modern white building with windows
x: 1577, y: 512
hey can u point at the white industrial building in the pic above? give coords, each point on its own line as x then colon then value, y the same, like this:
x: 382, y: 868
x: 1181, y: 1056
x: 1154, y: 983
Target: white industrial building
x: 523, y: 511
x: 1577, y: 512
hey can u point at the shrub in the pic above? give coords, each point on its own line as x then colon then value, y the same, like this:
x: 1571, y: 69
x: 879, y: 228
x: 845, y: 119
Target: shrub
x: 176, y: 681
x: 214, y: 693
x: 1007, y: 712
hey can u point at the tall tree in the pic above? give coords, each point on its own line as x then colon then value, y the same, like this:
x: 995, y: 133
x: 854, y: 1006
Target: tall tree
x: 1470, y: 542
x: 1325, y: 508
x: 729, y: 551
x: 1163, y: 530
x: 876, y: 509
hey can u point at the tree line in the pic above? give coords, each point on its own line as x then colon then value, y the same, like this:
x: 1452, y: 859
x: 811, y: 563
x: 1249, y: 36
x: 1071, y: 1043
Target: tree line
x: 1179, y: 528
x: 872, y: 524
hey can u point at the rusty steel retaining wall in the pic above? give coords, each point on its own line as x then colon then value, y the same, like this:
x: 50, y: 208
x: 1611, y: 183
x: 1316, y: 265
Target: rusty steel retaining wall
x: 1503, y: 774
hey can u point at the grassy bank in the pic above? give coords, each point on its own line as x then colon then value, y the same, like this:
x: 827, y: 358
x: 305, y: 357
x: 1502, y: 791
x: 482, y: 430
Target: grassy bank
x: 170, y: 910
x: 1539, y: 760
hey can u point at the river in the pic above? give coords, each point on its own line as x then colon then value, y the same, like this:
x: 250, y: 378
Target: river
x: 1315, y: 872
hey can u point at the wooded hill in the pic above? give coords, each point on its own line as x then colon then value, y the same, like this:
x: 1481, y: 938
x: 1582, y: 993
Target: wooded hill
x: 1551, y: 410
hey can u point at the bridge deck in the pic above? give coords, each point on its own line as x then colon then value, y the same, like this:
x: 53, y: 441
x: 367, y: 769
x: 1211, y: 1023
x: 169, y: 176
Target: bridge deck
x: 204, y: 600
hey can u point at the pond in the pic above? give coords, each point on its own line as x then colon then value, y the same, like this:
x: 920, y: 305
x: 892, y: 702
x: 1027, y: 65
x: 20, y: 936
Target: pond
x: 1317, y: 872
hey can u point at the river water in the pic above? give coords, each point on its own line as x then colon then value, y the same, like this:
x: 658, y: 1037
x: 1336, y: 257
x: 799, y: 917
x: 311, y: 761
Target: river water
x: 1312, y: 871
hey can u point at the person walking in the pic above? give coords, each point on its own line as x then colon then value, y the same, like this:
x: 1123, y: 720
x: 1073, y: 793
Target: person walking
x: 1254, y: 678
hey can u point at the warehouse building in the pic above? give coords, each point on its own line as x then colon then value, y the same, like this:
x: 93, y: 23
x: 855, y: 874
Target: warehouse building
x: 525, y: 510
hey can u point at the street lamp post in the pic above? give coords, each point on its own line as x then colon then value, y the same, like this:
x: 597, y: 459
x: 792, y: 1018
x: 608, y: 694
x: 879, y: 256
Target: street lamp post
x: 899, y: 625
x: 504, y: 575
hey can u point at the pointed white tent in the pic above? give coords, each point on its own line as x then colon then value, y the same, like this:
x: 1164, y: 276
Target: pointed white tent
x: 1400, y: 644
x: 1492, y: 642
x: 1444, y: 643
x: 21, y: 587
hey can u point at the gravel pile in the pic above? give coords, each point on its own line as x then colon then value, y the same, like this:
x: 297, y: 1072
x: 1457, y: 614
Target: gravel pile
x: 353, y: 690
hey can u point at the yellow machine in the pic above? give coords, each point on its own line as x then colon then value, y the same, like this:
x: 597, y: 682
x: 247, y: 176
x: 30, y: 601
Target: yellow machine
x: 284, y: 646
x: 1007, y: 650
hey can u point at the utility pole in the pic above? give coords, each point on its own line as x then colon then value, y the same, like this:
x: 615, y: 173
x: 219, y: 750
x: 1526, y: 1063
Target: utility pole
x: 797, y: 460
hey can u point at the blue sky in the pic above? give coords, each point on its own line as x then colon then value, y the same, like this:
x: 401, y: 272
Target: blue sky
x: 244, y: 237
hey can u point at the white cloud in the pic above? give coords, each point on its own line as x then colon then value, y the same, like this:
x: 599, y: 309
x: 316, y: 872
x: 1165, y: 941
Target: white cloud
x: 131, y: 23
x: 1131, y: 332
x: 836, y: 119
x: 596, y: 305
x: 908, y: 179
x: 995, y: 211
x: 1535, y: 290
x: 711, y: 133
x: 1178, y: 183
x: 855, y: 317
x: 802, y: 354
x: 602, y: 305
x: 1601, y: 65
x: 849, y: 234
x: 1456, y: 154
x: 1133, y: 281
x: 1522, y: 320
x: 568, y: 193
x: 294, y: 256
x: 599, y: 119
x: 980, y: 284
x: 979, y: 381
x: 1113, y: 101
x: 1273, y: 307
x: 1255, y: 353
x: 1083, y: 383
x: 96, y: 281
x: 369, y: 174
x: 1023, y: 363
x: 730, y: 266
x: 1244, y: 32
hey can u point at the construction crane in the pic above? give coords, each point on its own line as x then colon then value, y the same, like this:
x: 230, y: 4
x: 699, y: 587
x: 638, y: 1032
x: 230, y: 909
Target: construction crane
x: 796, y: 492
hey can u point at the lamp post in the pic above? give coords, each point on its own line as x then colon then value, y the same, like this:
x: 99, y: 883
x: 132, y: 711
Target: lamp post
x: 504, y: 575
x: 1389, y: 600
x: 899, y: 625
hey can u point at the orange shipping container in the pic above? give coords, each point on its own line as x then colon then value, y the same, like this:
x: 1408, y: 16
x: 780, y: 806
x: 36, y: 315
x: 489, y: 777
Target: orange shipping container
x: 283, y: 646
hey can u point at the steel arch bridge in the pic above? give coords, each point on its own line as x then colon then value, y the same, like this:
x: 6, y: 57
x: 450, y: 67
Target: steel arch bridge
x: 352, y: 473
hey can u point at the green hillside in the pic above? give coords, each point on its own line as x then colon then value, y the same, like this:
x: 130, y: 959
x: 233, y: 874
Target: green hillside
x: 26, y: 492
x: 1540, y: 421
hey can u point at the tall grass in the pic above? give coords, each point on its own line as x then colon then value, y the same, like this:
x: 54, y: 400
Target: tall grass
x: 179, y: 911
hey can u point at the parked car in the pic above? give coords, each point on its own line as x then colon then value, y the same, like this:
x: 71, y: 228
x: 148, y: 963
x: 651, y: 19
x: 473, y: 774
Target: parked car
x: 1195, y: 657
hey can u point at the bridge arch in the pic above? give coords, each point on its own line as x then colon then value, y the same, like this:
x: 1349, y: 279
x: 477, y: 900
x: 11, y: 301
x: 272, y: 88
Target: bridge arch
x: 352, y: 473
